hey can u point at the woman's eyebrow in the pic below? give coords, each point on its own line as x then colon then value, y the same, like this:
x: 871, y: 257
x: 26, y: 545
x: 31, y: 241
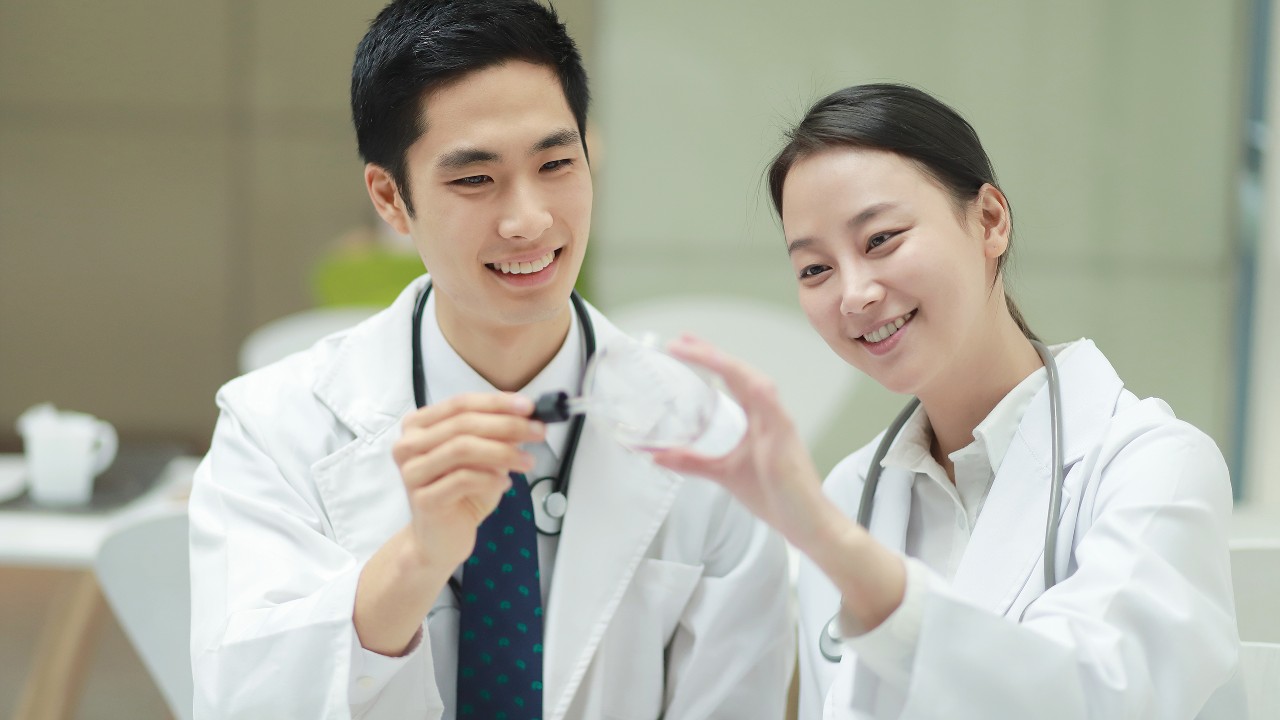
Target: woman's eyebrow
x: 870, y: 213
x: 866, y: 216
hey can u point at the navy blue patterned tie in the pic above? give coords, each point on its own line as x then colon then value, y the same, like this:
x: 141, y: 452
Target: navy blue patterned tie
x: 500, y: 633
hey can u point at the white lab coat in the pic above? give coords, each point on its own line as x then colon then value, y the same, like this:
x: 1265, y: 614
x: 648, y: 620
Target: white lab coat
x: 667, y: 596
x: 1141, y: 623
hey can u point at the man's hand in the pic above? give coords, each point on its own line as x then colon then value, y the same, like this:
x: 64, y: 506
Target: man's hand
x: 455, y: 459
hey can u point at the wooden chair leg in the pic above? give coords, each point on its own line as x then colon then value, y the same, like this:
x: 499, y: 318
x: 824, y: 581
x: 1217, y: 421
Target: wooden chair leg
x: 56, y: 679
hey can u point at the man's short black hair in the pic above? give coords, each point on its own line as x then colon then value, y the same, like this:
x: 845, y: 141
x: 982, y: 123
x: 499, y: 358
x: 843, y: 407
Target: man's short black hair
x: 415, y: 46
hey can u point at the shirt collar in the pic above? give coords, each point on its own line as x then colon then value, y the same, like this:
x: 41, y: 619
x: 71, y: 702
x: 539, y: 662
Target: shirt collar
x: 992, y: 436
x: 447, y: 374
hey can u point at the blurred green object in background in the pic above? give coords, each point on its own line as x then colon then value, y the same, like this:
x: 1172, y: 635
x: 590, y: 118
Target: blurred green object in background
x: 363, y: 275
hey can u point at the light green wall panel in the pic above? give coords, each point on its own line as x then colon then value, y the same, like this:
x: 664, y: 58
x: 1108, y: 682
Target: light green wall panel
x: 1112, y: 125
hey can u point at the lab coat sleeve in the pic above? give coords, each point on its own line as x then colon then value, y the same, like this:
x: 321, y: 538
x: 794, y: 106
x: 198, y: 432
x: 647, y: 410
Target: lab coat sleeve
x: 272, y: 595
x: 1144, y: 627
x: 889, y: 649
x: 734, y: 647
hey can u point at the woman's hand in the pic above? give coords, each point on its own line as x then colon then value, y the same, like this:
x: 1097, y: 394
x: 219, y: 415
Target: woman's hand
x: 770, y: 471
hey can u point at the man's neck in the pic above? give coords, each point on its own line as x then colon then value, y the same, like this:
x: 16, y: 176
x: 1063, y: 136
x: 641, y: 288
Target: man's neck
x: 507, y: 356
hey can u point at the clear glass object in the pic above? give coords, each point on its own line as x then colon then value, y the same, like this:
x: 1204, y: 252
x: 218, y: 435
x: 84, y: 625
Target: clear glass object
x: 649, y: 400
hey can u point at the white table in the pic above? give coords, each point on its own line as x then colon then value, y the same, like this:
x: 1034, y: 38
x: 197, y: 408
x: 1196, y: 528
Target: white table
x: 70, y: 541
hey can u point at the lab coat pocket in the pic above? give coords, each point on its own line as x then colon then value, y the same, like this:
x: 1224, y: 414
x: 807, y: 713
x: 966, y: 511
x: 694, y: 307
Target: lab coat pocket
x: 633, y: 651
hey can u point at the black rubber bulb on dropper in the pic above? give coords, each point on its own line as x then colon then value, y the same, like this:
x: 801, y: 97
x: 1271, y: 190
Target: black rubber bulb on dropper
x: 551, y: 407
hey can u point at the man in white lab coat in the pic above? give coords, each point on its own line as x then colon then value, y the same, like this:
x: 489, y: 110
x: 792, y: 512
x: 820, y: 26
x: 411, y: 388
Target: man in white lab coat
x: 333, y: 519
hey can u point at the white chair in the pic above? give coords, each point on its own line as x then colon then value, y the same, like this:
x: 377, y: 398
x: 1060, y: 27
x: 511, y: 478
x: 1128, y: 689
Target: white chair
x: 1255, y: 576
x: 299, y: 331
x: 1260, y: 667
x: 143, y: 570
x: 812, y: 381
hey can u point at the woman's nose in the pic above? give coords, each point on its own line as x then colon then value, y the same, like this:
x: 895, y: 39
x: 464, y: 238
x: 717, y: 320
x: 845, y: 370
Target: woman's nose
x: 861, y: 290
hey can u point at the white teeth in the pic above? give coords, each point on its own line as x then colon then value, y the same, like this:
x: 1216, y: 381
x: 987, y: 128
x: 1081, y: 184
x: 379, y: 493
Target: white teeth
x: 526, y: 268
x: 884, y: 332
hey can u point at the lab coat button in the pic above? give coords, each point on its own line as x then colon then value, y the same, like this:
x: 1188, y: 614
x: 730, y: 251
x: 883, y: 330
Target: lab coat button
x: 365, y: 682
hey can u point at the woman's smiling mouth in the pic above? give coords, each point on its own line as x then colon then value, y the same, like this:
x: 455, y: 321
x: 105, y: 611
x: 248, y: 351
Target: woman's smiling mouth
x: 885, y: 337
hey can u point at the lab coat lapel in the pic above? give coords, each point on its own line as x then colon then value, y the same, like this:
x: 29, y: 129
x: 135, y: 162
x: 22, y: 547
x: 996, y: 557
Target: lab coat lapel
x: 1008, y: 541
x: 617, y: 502
x: 367, y: 384
x: 892, y: 508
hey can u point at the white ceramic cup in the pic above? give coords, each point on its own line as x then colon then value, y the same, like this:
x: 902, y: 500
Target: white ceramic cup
x: 65, y: 451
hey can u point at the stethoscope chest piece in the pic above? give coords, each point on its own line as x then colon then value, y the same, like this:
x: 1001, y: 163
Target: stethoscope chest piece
x: 828, y: 643
x: 549, y: 505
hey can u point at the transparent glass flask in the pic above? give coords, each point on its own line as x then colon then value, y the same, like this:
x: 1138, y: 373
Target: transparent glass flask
x: 649, y: 400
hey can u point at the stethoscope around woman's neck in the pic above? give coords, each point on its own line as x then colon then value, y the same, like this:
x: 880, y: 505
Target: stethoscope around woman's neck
x: 550, y: 493
x: 828, y: 640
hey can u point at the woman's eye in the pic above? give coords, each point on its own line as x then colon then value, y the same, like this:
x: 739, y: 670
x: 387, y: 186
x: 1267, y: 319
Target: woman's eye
x: 812, y: 271
x: 556, y: 164
x: 880, y: 239
x: 473, y: 180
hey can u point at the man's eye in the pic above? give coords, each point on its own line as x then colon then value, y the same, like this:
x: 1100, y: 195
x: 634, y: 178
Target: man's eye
x: 812, y: 271
x: 556, y: 164
x: 473, y: 180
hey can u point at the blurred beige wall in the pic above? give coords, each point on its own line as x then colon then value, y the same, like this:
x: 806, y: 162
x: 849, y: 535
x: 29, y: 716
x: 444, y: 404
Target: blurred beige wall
x: 169, y: 173
x: 1113, y: 126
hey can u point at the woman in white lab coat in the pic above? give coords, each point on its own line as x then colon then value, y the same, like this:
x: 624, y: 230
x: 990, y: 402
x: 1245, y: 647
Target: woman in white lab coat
x: 897, y: 233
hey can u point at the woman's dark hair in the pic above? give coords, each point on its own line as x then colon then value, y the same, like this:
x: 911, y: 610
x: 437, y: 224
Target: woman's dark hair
x: 902, y: 120
x: 416, y: 46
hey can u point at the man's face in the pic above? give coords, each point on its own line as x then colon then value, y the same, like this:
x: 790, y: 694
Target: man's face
x: 502, y: 195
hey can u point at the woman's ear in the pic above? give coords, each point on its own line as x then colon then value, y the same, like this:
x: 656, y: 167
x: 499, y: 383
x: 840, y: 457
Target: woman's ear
x: 995, y: 220
x: 386, y: 197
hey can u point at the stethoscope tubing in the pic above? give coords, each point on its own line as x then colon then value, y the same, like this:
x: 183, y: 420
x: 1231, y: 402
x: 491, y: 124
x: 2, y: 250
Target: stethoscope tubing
x: 828, y: 642
x: 555, y: 502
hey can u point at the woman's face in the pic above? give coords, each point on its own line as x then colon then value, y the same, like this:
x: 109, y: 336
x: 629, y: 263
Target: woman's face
x: 894, y: 277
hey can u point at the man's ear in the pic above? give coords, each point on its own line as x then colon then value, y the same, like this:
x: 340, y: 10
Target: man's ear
x: 386, y: 197
x: 995, y: 220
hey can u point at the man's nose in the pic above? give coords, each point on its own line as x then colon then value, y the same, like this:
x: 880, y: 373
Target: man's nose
x: 526, y: 214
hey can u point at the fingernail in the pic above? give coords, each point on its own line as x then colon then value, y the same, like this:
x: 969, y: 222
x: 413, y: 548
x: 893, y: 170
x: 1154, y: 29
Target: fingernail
x: 521, y: 404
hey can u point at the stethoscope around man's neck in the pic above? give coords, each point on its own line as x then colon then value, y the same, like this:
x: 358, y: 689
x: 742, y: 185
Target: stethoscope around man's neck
x: 828, y: 640
x: 550, y: 493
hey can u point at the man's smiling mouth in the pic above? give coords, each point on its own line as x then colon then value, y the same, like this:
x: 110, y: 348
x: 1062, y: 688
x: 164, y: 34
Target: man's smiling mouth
x: 525, y: 268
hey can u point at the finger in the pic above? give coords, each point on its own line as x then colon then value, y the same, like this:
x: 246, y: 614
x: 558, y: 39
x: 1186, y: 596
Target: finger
x: 465, y: 452
x: 505, y: 428
x: 750, y: 387
x: 508, y: 403
x: 480, y: 491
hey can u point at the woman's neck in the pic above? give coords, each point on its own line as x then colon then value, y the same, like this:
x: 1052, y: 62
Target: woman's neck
x: 982, y: 375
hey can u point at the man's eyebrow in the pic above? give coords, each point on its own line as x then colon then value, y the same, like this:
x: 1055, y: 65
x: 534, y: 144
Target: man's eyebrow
x: 560, y: 138
x: 462, y: 157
